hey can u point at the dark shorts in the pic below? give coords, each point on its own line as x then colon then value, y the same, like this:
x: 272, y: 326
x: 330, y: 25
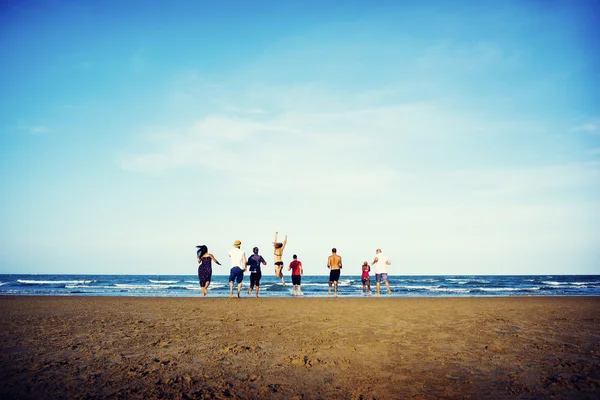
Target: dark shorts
x: 381, y: 278
x: 334, y: 275
x: 236, y: 274
x: 296, y: 279
x: 366, y: 280
x: 255, y: 279
x: 279, y: 263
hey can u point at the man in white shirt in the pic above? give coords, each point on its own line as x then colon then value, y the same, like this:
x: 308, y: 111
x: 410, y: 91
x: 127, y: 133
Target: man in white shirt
x: 380, y: 265
x: 238, y: 261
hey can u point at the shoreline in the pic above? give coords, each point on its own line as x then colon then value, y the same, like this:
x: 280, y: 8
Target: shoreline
x: 190, y: 347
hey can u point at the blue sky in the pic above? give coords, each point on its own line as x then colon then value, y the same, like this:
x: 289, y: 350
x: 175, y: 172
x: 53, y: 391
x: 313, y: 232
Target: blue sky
x: 459, y: 137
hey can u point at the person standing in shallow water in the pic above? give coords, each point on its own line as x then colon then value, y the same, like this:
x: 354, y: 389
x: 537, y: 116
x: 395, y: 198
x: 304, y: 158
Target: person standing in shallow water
x: 205, y: 260
x: 254, y: 262
x: 296, y: 268
x: 334, y: 263
x: 380, y: 264
x: 279, y: 257
x: 365, y: 278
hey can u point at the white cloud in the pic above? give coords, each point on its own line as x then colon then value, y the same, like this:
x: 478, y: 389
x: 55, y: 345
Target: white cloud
x: 461, y: 191
x: 591, y: 127
x: 34, y: 129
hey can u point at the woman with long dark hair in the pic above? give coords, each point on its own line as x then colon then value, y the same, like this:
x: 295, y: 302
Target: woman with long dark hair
x: 205, y: 260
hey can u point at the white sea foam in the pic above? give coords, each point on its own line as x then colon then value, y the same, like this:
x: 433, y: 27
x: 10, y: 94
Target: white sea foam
x: 140, y: 286
x: 153, y: 281
x: 416, y: 287
x: 450, y: 290
x: 32, y: 282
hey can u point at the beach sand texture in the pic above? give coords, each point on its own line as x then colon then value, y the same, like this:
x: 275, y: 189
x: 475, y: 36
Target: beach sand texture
x: 299, y: 348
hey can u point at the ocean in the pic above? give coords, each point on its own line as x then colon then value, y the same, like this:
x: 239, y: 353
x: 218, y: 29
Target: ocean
x: 312, y: 286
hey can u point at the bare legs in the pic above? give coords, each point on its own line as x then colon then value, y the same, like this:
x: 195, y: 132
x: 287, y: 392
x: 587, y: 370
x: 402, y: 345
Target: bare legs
x: 278, y: 274
x: 205, y: 288
x: 239, y: 289
x: 252, y: 288
x: 335, y: 285
x: 387, y: 286
x: 366, y: 285
x: 296, y: 290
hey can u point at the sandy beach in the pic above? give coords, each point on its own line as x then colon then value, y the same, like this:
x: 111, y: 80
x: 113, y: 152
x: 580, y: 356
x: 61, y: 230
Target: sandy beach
x: 299, y: 348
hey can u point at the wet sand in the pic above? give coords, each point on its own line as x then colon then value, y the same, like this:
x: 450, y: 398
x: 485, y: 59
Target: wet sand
x: 299, y: 348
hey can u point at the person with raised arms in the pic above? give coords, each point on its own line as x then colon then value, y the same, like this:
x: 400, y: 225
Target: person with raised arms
x: 278, y: 250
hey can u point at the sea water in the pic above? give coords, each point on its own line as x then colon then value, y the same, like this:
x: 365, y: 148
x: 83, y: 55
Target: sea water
x: 312, y: 285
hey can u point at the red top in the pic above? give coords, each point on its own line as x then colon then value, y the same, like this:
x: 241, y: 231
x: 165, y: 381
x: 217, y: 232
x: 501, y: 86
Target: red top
x: 296, y: 266
x: 365, y: 272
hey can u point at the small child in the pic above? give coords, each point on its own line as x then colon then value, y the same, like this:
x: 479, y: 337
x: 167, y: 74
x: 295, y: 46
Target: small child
x: 366, y: 279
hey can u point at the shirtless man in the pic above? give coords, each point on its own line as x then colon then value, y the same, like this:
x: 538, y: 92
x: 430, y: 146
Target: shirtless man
x: 278, y: 257
x: 334, y: 263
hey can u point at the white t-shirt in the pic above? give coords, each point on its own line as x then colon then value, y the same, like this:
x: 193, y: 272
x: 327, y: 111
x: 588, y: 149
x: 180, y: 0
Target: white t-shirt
x: 382, y: 264
x: 237, y: 257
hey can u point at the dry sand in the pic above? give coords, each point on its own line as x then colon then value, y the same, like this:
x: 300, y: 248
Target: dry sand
x: 299, y: 348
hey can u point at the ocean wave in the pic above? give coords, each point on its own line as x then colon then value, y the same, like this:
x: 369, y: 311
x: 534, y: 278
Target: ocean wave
x: 313, y: 286
x: 413, y: 280
x: 499, y: 289
x: 153, y: 286
x: 414, y: 287
x: 211, y: 287
x: 216, y: 286
x: 554, y: 283
x: 450, y: 290
x: 275, y: 287
x: 33, y: 282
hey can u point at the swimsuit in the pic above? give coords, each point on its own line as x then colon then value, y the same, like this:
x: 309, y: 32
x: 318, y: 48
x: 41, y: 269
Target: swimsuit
x: 334, y: 275
x: 365, y: 276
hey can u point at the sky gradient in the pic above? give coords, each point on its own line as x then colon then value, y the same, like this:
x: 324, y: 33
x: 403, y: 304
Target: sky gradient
x: 459, y: 137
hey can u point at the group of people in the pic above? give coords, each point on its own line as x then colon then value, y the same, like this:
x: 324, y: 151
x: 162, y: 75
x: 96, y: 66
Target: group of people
x: 240, y: 264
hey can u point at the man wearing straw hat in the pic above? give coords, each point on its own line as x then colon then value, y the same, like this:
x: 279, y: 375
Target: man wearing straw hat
x: 238, y: 260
